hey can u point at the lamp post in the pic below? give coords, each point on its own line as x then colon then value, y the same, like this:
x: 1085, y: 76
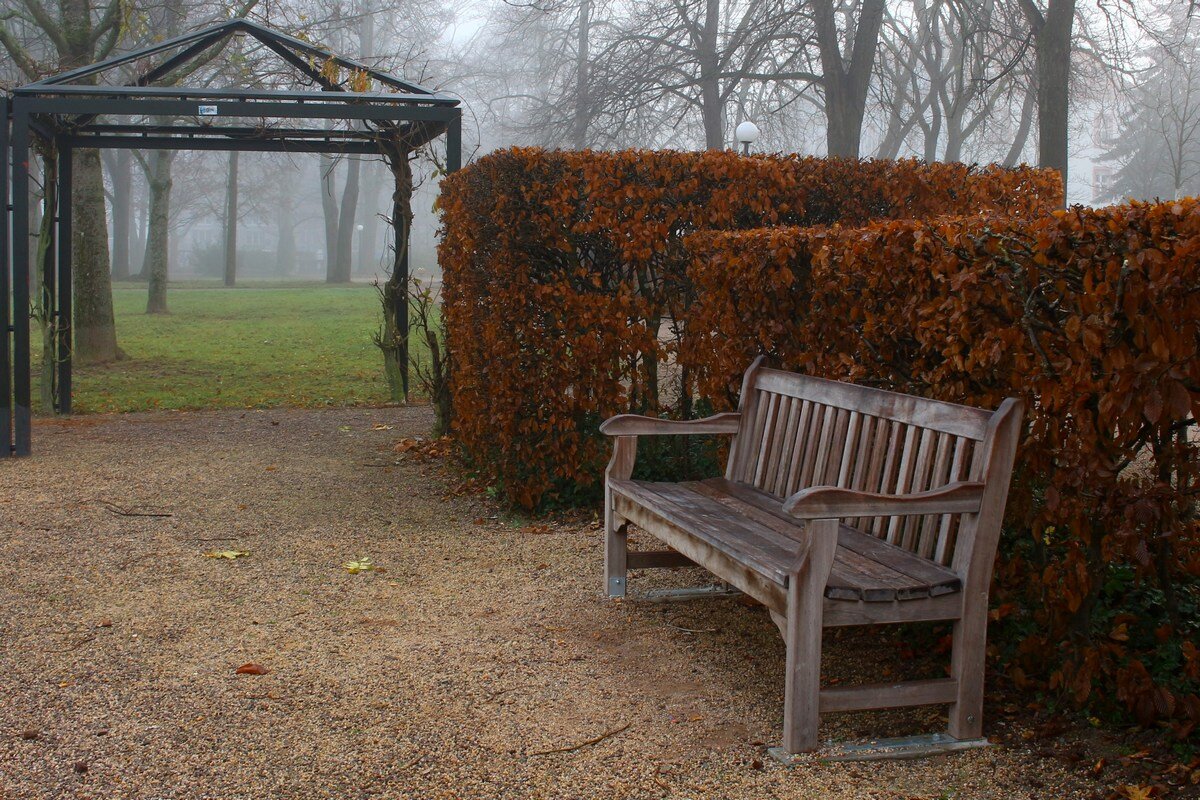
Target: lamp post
x: 746, y: 134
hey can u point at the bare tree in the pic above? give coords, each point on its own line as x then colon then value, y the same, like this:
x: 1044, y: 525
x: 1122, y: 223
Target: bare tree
x: 1157, y: 144
x: 668, y: 64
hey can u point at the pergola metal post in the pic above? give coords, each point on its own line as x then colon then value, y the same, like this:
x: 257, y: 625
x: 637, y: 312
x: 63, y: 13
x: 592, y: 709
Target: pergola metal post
x: 6, y: 436
x: 22, y: 410
x: 63, y: 297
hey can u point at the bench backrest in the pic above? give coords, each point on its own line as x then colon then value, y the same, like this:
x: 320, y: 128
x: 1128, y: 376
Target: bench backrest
x: 799, y: 431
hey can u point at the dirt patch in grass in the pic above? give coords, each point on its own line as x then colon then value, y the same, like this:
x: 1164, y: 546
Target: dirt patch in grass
x: 483, y: 646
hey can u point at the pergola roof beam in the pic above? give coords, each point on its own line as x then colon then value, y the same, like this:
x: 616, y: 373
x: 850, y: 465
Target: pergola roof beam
x: 228, y: 130
x: 135, y: 92
x: 252, y: 109
x: 224, y: 144
x: 103, y: 66
x: 263, y: 34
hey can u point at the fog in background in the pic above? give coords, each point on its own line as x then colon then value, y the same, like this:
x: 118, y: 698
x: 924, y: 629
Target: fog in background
x: 935, y: 79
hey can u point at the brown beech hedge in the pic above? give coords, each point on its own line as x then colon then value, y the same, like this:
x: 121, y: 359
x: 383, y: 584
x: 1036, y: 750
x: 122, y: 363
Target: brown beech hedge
x: 566, y: 286
x: 1094, y: 317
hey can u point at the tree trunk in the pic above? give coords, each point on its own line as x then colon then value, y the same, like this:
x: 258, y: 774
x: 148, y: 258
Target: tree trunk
x: 579, y: 133
x: 1052, y: 44
x: 345, y: 229
x: 846, y: 84
x: 231, y: 220
x: 711, y: 106
x: 122, y: 222
x: 94, y: 324
x: 157, y: 260
x: 330, y: 211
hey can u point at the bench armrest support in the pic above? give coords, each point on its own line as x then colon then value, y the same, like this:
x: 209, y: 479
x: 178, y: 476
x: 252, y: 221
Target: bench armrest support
x: 829, y: 502
x: 637, y: 425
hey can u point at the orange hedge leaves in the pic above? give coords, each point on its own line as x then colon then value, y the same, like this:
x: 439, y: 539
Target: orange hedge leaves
x: 1092, y: 316
x: 563, y: 270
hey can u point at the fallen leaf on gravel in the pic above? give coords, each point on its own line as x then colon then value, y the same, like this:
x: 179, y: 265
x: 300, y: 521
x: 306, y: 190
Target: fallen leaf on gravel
x: 230, y: 554
x: 250, y: 668
x: 362, y: 564
x: 104, y: 623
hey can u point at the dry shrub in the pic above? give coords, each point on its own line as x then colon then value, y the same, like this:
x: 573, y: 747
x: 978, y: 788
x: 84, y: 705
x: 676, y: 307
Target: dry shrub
x: 561, y: 268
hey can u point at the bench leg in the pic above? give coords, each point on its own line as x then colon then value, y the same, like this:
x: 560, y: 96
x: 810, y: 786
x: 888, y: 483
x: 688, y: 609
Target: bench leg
x: 966, y: 667
x: 616, y: 554
x: 806, y: 593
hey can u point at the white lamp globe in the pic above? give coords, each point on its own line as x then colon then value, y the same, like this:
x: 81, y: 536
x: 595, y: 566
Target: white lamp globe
x: 747, y: 132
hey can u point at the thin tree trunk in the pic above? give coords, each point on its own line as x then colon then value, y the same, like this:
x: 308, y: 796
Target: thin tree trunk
x: 368, y: 254
x: 285, y: 247
x: 231, y: 221
x: 579, y: 134
x: 329, y: 209
x: 141, y: 210
x: 157, y: 260
x: 122, y: 183
x: 346, y: 231
x: 1022, y: 135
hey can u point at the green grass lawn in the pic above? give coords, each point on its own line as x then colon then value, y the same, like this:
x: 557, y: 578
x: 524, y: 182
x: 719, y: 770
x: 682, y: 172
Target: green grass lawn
x: 256, y: 346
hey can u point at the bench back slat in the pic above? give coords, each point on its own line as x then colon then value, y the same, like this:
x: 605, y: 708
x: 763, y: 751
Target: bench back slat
x: 798, y: 432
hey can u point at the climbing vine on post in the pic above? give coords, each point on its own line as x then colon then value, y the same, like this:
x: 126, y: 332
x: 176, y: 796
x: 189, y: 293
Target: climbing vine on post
x: 392, y: 338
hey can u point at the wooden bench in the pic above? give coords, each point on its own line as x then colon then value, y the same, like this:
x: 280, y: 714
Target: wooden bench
x: 840, y: 505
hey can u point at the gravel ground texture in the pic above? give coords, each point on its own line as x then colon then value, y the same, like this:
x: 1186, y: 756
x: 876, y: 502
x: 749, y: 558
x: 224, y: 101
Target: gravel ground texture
x: 480, y: 661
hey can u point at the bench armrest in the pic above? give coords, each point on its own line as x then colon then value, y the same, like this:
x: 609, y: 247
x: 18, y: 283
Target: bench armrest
x: 637, y: 425
x: 829, y: 502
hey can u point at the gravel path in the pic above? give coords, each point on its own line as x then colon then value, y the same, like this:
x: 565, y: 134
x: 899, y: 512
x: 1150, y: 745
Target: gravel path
x: 483, y: 645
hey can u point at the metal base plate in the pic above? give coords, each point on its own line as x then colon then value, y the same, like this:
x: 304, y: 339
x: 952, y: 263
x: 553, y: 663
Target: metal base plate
x: 669, y: 595
x: 934, y: 744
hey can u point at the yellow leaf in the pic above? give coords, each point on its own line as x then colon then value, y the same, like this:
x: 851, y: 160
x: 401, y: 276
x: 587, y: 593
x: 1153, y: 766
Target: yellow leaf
x: 361, y: 564
x: 230, y: 554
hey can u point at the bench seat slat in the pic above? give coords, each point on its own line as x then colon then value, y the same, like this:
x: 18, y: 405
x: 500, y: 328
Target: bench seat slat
x: 941, y: 580
x: 751, y: 526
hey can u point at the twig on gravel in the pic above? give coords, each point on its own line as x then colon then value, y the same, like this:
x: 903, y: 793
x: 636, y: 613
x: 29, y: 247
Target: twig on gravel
x: 75, y: 646
x: 113, y: 508
x: 582, y: 745
x: 499, y: 692
x: 373, y: 464
x: 691, y: 630
x: 129, y: 562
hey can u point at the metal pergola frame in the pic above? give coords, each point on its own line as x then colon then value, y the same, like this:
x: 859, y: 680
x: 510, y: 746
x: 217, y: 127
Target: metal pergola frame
x: 67, y: 115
